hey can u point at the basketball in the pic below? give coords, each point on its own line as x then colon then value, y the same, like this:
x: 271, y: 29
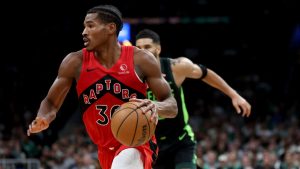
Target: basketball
x: 130, y: 126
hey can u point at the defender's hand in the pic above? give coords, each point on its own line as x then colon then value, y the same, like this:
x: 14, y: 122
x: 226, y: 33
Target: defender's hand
x: 241, y: 106
x: 37, y: 125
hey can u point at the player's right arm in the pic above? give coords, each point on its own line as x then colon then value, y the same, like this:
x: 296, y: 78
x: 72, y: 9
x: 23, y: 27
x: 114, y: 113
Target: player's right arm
x: 183, y: 68
x: 68, y: 71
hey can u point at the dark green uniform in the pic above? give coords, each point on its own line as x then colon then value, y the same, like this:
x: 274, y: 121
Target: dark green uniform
x: 174, y: 135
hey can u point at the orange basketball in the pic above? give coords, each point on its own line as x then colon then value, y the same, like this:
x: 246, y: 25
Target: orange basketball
x: 130, y: 126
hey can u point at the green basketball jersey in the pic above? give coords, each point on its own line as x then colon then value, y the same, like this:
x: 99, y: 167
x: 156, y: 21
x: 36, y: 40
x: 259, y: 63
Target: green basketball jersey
x: 178, y: 127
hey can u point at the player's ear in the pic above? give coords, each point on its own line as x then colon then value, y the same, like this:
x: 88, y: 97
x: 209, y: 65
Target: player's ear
x: 158, y: 49
x: 111, y: 27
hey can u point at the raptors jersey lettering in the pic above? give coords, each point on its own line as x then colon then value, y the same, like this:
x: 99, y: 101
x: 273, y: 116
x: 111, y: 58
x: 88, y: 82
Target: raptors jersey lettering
x: 101, y: 91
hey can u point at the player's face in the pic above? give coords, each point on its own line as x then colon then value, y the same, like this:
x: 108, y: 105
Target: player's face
x: 94, y: 33
x: 147, y: 43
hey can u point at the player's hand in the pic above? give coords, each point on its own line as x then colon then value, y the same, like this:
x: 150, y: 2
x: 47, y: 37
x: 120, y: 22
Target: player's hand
x: 38, y: 125
x: 148, y: 106
x: 241, y: 106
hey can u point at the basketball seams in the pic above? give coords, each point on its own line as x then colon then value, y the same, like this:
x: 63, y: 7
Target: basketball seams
x: 121, y: 108
x: 123, y: 120
x: 122, y: 123
x: 136, y: 124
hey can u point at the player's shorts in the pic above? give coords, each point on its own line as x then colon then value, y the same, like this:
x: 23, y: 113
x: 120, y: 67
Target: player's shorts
x: 177, y: 153
x: 148, y: 153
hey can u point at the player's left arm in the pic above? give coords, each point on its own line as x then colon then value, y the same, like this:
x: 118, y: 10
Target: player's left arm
x: 189, y: 69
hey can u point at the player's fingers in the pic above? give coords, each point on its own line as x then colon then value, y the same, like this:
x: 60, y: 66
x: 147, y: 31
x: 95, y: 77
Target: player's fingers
x: 247, y: 114
x: 35, y: 130
x: 138, y: 101
x: 244, y: 111
x: 243, y: 107
x: 32, y: 129
x: 35, y: 127
x: 135, y: 100
x: 154, y: 117
x: 237, y: 109
x: 28, y: 130
x: 141, y: 102
x: 147, y: 108
x: 247, y: 110
x: 147, y: 103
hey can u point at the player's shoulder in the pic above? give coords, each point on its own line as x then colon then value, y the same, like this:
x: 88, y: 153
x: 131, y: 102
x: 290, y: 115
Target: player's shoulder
x: 143, y: 55
x: 74, y: 56
x: 142, y: 52
x: 182, y: 59
x: 73, y: 59
x: 179, y: 61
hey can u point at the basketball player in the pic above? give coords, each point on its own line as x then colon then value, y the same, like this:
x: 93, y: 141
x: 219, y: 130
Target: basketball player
x: 176, y: 142
x: 107, y: 75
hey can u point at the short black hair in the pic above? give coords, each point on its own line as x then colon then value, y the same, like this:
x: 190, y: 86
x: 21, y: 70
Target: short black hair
x: 108, y: 13
x: 147, y: 33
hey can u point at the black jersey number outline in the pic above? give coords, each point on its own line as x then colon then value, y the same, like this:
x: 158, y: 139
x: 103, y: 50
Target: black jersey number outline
x: 102, y: 112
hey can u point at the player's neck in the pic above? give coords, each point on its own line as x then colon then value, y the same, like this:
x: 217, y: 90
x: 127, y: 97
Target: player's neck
x: 108, y: 55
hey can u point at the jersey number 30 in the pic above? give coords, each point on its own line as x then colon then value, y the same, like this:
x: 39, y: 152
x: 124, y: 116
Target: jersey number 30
x: 103, y: 113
